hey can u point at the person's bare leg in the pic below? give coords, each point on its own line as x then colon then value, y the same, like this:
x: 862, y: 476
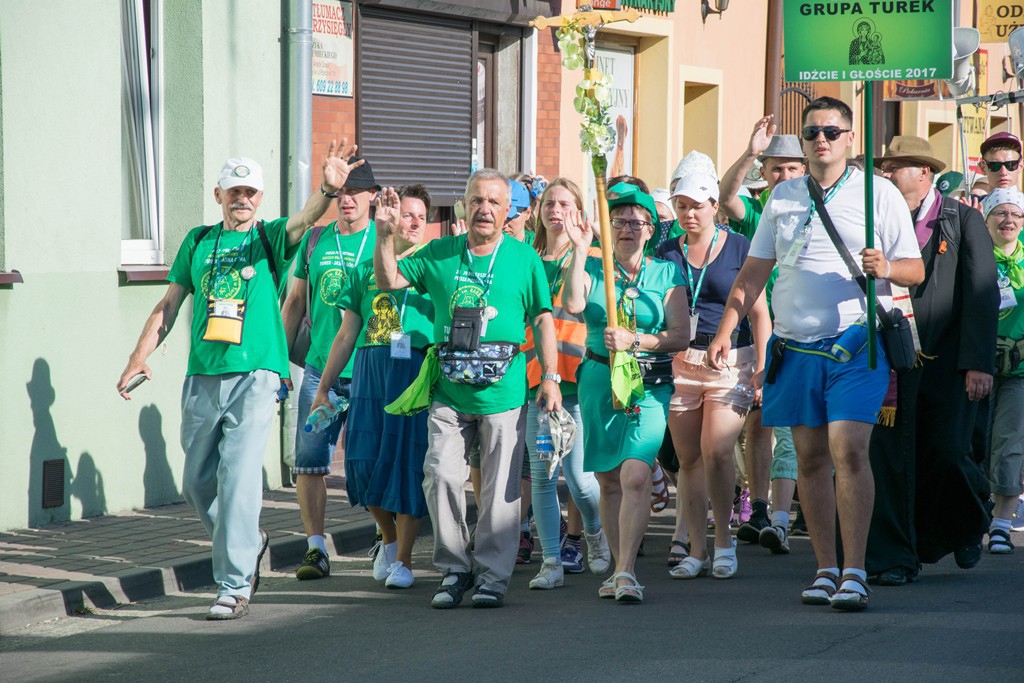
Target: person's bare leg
x: 721, y: 426
x: 1005, y: 506
x: 386, y: 522
x: 782, y: 494
x: 817, y: 492
x: 611, y: 500
x: 408, y: 528
x: 757, y: 455
x: 474, y: 479
x: 855, y: 487
x: 692, y: 487
x: 311, y: 492
x: 634, y: 513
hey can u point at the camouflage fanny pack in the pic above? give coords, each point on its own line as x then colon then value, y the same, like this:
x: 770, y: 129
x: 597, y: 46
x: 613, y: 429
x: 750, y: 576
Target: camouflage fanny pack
x: 487, y: 364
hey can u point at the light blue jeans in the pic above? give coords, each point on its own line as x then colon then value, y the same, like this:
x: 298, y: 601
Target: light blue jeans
x: 583, y: 486
x: 225, y: 422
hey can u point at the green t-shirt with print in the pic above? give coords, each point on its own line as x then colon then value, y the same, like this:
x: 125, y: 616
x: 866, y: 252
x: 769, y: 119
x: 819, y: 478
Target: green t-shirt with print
x: 516, y: 287
x: 213, y: 266
x: 328, y: 276
x: 404, y: 310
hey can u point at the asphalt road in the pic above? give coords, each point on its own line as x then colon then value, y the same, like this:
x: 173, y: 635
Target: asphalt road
x: 954, y: 625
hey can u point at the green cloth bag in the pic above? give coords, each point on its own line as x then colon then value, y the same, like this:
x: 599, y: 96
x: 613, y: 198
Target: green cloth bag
x: 627, y: 383
x: 416, y: 397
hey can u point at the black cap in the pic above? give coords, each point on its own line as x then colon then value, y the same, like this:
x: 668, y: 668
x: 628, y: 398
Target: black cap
x: 361, y: 177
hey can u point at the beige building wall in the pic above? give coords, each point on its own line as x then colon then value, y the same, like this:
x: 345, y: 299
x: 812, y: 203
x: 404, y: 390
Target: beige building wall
x: 698, y: 86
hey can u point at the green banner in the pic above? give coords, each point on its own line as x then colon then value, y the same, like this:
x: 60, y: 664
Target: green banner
x: 868, y: 41
x: 652, y: 5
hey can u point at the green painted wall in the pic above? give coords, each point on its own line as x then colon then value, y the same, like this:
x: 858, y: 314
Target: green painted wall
x: 65, y: 333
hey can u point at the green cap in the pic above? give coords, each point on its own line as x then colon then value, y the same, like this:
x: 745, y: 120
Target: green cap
x: 949, y: 181
x: 625, y: 194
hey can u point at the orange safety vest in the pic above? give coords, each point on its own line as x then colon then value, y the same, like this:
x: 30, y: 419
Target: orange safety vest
x: 570, y: 338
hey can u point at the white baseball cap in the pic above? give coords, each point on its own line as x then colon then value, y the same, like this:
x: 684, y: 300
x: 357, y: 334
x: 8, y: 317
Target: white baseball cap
x: 241, y: 171
x: 697, y: 186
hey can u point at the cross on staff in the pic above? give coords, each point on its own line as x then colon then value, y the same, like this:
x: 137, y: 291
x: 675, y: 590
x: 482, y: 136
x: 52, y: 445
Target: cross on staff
x: 597, y: 132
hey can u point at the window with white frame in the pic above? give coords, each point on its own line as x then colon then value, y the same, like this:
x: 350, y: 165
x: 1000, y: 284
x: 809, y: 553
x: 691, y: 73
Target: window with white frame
x: 141, y: 126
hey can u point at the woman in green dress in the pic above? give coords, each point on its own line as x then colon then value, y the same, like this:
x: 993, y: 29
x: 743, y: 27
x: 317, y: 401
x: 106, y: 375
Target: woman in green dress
x: 653, y: 320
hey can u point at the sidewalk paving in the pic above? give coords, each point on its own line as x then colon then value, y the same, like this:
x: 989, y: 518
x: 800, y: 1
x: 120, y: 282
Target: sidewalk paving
x: 116, y: 559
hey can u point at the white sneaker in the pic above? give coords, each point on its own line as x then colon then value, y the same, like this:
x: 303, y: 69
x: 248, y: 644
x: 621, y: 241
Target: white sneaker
x: 399, y: 576
x: 599, y: 555
x: 385, y: 558
x: 550, y: 575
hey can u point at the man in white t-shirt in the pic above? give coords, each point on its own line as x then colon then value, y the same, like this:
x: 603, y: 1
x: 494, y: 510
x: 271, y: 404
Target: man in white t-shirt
x: 830, y: 401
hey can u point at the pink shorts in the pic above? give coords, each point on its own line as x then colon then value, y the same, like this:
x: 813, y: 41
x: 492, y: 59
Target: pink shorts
x: 697, y: 382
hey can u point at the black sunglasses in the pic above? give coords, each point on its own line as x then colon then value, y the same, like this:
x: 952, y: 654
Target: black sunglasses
x: 996, y: 166
x: 832, y: 133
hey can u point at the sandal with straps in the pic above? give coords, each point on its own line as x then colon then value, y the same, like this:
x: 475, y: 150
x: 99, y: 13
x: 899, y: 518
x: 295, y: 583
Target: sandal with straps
x: 999, y: 542
x: 630, y: 593
x: 821, y: 593
x: 659, y: 489
x: 690, y: 568
x: 849, y: 600
x: 725, y: 563
x: 677, y: 556
x: 237, y: 605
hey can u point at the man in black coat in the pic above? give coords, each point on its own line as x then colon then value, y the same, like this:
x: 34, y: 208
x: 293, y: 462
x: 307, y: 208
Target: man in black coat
x: 931, y: 495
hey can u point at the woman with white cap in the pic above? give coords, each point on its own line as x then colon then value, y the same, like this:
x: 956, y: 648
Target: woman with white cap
x: 1004, y: 217
x: 709, y: 406
x: 621, y: 447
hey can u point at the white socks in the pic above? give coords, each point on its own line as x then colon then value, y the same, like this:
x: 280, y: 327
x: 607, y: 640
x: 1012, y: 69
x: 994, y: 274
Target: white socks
x: 780, y: 517
x: 317, y: 542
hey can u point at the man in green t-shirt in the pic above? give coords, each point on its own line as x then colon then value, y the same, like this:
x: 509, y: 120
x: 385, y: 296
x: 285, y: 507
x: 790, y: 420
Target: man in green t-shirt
x: 781, y: 159
x: 322, y: 271
x: 236, y: 361
x: 483, y: 285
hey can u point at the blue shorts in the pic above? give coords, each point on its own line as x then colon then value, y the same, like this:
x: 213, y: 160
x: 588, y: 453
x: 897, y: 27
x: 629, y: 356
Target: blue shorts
x: 812, y: 388
x: 313, y: 450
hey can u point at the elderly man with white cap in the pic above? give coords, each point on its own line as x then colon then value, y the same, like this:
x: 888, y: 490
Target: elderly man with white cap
x: 236, y: 362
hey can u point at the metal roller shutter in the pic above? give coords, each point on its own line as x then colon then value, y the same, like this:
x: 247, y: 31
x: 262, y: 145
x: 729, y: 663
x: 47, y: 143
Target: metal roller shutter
x: 415, y: 105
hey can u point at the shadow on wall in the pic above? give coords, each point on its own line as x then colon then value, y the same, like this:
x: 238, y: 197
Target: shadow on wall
x: 157, y: 479
x: 45, y: 447
x: 87, y: 487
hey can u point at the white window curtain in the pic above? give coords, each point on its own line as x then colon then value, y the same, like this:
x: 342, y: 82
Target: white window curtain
x: 140, y: 217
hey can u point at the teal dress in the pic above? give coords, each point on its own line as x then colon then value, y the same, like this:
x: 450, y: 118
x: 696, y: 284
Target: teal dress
x: 610, y: 436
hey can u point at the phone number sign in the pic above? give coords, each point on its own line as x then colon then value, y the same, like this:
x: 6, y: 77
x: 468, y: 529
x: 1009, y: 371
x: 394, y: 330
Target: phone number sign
x: 868, y: 41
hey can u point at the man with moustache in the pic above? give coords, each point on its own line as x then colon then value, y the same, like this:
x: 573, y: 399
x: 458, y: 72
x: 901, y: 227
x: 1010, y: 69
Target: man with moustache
x: 237, y: 359
x: 326, y: 258
x: 483, y: 285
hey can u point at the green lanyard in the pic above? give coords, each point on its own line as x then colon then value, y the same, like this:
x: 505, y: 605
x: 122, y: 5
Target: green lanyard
x: 628, y: 285
x: 485, y: 282
x: 828, y: 195
x: 703, y: 271
x: 341, y: 254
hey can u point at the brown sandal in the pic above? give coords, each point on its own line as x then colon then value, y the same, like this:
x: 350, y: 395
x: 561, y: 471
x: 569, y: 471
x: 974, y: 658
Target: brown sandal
x: 238, y: 605
x: 821, y: 593
x: 659, y: 489
x: 849, y: 600
x: 677, y: 556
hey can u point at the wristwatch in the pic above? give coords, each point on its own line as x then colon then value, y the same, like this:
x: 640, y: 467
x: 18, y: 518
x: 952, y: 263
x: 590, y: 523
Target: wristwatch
x: 554, y: 377
x: 636, y: 341
x: 329, y: 195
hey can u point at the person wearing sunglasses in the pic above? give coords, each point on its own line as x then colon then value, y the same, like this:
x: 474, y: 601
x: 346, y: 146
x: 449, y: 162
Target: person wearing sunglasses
x: 1001, y: 160
x: 930, y: 494
x: 831, y: 405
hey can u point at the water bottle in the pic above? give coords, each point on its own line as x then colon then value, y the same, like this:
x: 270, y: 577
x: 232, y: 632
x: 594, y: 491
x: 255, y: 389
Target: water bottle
x: 744, y: 390
x: 545, y: 446
x: 282, y: 393
x: 851, y: 342
x: 321, y: 418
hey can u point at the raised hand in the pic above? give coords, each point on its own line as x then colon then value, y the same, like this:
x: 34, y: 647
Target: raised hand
x: 764, y: 129
x: 578, y: 230
x: 459, y: 227
x: 388, y: 207
x: 336, y: 167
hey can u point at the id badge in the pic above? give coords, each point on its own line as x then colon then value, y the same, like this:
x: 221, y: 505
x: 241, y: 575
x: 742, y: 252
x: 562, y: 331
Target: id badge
x: 694, y: 319
x: 224, y: 321
x: 401, y: 345
x: 1007, y: 298
x: 798, y: 246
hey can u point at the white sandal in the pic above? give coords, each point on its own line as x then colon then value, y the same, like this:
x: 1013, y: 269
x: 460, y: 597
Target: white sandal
x: 631, y: 593
x: 725, y: 564
x: 690, y: 568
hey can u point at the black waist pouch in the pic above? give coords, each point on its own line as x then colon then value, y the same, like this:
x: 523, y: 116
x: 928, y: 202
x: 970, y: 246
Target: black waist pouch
x: 467, y: 328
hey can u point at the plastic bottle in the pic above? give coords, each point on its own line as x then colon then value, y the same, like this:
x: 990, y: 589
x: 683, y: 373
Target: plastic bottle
x: 545, y: 446
x: 321, y: 418
x: 852, y: 341
x: 282, y: 393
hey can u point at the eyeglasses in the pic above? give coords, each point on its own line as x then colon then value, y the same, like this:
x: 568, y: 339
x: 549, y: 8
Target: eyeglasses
x: 832, y: 133
x: 996, y: 166
x: 635, y: 226
x: 1015, y: 216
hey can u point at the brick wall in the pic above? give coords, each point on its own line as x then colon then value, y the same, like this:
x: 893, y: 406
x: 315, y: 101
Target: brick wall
x: 334, y: 118
x: 549, y: 84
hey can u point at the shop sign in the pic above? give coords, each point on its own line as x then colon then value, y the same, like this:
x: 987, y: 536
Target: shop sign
x: 868, y: 41
x: 333, y: 51
x: 998, y: 18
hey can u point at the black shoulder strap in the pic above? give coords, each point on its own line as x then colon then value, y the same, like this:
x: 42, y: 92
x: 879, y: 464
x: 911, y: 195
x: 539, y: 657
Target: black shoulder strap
x: 271, y: 261
x: 314, y: 236
x: 858, y: 275
x: 203, y: 233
